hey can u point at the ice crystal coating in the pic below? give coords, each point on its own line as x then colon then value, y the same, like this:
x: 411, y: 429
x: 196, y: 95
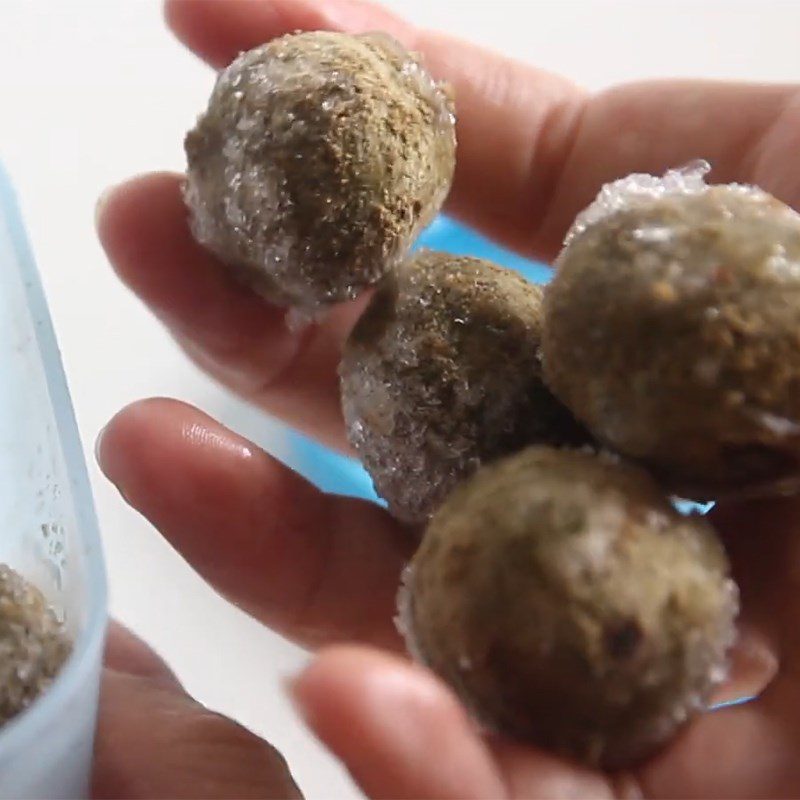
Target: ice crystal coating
x: 570, y: 605
x: 319, y: 159
x: 672, y: 330
x: 442, y: 374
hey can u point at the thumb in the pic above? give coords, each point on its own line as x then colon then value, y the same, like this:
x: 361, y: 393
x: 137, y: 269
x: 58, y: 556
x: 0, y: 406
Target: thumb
x: 399, y: 731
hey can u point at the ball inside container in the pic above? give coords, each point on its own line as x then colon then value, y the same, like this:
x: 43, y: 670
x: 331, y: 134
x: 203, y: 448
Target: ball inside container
x: 571, y: 606
x: 319, y: 159
x: 33, y: 644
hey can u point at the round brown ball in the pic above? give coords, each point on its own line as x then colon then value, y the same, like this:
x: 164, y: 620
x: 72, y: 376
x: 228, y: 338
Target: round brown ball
x: 673, y: 332
x: 442, y: 374
x: 33, y: 644
x: 571, y: 606
x: 320, y: 157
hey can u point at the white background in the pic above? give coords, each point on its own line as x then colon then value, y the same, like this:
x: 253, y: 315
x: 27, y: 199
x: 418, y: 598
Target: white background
x: 91, y: 92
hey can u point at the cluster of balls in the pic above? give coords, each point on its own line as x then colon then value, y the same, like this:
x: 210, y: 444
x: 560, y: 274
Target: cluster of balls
x: 537, y: 434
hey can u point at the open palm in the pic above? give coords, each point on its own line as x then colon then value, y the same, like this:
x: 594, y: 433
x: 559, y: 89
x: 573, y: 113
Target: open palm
x: 323, y: 570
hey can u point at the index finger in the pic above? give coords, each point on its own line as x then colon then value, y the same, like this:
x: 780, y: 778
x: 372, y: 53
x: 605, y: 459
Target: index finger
x: 532, y: 151
x: 533, y: 148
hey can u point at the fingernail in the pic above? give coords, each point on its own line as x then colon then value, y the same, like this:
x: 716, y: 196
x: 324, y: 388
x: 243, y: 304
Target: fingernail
x: 291, y: 685
x: 102, y: 202
x: 98, y: 443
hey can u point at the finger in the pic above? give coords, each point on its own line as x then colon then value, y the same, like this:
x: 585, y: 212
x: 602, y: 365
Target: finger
x: 235, y: 336
x: 395, y: 727
x: 763, y: 541
x: 523, y: 181
x: 529, y: 772
x: 754, y: 664
x: 153, y: 741
x: 247, y: 345
x: 126, y: 652
x: 315, y: 567
x: 756, y: 743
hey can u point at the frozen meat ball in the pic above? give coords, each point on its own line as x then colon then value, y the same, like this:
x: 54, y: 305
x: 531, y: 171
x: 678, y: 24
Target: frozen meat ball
x: 672, y: 330
x: 33, y: 644
x: 442, y: 374
x: 570, y: 605
x: 320, y: 157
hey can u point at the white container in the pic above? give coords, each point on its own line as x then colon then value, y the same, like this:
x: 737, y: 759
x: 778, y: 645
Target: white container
x: 48, y: 529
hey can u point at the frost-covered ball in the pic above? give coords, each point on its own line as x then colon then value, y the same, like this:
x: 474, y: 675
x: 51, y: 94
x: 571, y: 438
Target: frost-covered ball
x: 320, y: 157
x: 672, y: 330
x: 442, y: 374
x: 33, y: 644
x: 570, y: 605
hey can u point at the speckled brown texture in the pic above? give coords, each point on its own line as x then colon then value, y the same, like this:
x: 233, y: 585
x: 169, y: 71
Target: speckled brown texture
x: 33, y: 644
x: 571, y: 606
x: 673, y: 331
x: 442, y: 374
x: 319, y: 159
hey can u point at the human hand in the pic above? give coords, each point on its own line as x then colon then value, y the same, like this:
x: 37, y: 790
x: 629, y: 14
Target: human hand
x: 533, y: 150
x: 155, y: 741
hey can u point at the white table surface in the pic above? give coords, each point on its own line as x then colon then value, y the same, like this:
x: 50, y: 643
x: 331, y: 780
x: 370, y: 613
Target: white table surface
x: 91, y: 92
